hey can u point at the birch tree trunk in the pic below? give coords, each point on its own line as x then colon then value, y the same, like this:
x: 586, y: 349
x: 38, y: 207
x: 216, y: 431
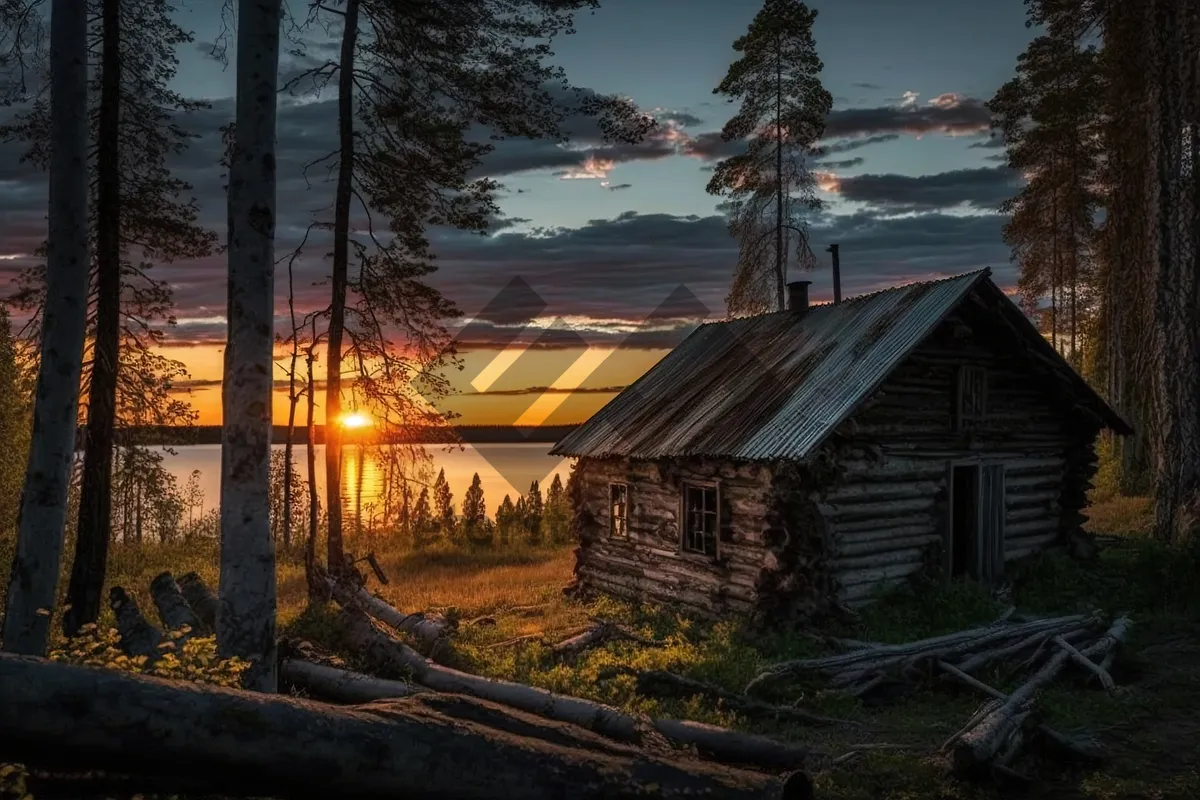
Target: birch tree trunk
x: 246, y: 616
x: 84, y: 592
x: 337, y: 313
x: 34, y: 578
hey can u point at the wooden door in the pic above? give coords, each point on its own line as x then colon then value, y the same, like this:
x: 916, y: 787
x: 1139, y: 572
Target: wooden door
x: 990, y: 550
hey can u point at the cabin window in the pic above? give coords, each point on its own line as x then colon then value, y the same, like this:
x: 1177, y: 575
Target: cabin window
x: 618, y: 507
x: 972, y: 396
x: 700, y: 520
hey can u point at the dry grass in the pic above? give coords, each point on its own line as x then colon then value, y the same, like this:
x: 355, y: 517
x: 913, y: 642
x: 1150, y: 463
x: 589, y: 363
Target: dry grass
x: 1121, y: 516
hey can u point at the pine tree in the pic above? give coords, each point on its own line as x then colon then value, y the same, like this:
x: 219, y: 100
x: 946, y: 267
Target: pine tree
x: 506, y: 520
x: 771, y: 185
x: 1051, y: 118
x: 423, y: 526
x: 533, y: 512
x: 443, y: 502
x: 557, y: 516
x: 474, y: 513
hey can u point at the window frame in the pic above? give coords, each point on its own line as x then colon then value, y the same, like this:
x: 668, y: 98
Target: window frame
x: 704, y: 486
x: 964, y: 421
x: 612, y: 520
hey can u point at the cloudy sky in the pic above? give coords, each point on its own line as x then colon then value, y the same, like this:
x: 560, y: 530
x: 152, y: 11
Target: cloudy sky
x: 604, y: 235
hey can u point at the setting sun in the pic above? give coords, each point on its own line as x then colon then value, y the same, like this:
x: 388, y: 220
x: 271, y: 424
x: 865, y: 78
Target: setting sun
x: 356, y: 420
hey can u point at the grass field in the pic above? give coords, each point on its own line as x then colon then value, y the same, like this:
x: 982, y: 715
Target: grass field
x: 1152, y: 726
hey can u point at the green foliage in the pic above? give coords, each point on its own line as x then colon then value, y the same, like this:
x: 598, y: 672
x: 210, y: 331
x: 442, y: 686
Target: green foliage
x: 12, y: 782
x: 781, y: 119
x: 15, y: 409
x: 285, y: 530
x: 195, y: 660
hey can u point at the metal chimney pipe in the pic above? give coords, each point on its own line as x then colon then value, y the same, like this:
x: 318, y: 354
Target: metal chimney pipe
x: 798, y: 296
x: 837, y: 273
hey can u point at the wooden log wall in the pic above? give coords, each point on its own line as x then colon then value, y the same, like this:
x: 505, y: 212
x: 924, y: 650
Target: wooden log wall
x: 648, y: 565
x: 887, y: 516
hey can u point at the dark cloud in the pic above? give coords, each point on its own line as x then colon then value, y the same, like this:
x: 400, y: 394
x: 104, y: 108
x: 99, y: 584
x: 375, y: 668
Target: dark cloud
x: 680, y: 118
x: 844, y: 164
x: 603, y: 278
x: 857, y: 144
x: 946, y: 114
x: 711, y: 146
x: 984, y: 188
x: 991, y: 142
x: 863, y: 85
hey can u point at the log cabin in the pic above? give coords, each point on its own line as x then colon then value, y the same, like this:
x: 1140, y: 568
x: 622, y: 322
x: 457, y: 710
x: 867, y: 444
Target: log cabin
x: 779, y: 465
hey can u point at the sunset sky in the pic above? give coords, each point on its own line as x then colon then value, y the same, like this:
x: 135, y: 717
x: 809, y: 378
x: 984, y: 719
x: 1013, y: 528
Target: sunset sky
x: 605, y: 235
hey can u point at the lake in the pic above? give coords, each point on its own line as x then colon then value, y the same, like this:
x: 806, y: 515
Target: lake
x: 502, y: 468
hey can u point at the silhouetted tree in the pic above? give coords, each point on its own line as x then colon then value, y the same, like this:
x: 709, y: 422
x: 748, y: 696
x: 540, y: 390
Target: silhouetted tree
x: 474, y: 514
x: 141, y: 215
x: 411, y: 81
x: 1051, y: 117
x: 771, y: 185
x: 532, y: 514
x: 443, y: 502
x: 35, y: 569
x: 423, y: 525
x: 556, y: 519
x: 507, y: 521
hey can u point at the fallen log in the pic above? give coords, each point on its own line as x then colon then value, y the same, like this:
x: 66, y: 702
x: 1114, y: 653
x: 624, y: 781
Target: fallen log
x: 980, y: 660
x: 390, y: 655
x: 1079, y: 658
x: 201, y: 599
x: 138, y: 636
x: 590, y: 637
x: 341, y: 685
x: 428, y: 629
x: 173, y: 609
x: 55, y: 716
x: 847, y: 668
x: 979, y: 746
x: 660, y: 683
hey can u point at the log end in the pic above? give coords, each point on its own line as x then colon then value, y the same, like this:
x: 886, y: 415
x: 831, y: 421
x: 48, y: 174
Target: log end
x: 797, y: 786
x: 162, y: 581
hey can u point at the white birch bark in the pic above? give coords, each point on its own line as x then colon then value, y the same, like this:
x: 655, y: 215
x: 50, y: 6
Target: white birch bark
x: 34, y: 579
x: 246, y: 616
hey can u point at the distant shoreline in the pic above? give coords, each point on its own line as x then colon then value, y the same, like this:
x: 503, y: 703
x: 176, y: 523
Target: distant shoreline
x: 466, y: 434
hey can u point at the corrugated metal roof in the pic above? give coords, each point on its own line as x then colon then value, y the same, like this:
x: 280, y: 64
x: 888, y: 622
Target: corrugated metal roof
x: 771, y: 386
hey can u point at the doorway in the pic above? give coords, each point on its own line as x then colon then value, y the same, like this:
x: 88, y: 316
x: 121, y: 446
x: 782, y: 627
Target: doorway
x: 964, y: 519
x: 975, y: 524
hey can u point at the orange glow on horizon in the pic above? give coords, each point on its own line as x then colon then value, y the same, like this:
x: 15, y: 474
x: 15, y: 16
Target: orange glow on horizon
x: 499, y: 391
